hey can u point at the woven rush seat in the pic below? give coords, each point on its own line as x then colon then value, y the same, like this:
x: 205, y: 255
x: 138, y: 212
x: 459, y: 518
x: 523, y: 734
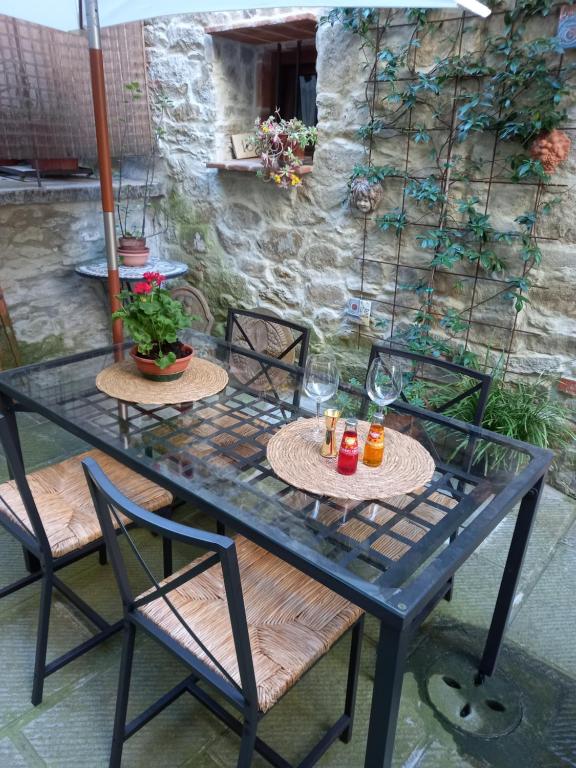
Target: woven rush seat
x: 292, y: 619
x: 64, y: 503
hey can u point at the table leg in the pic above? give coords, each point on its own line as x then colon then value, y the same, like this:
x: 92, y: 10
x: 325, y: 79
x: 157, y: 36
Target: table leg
x: 390, y: 659
x: 518, y: 546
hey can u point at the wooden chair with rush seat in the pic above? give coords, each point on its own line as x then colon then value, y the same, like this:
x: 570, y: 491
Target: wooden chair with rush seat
x: 443, y: 374
x: 244, y: 623
x: 263, y: 334
x: 50, y: 513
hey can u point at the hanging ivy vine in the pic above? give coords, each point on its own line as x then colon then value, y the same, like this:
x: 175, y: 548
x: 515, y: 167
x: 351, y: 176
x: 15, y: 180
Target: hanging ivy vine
x: 510, y: 90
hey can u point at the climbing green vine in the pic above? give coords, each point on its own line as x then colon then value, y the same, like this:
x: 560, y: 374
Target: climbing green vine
x: 470, y: 114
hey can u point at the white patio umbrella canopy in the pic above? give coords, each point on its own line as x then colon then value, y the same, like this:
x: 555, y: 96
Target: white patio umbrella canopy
x: 64, y: 15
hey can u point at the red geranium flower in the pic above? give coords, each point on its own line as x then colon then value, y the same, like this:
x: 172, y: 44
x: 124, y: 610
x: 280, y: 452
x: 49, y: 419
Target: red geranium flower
x: 154, y: 277
x: 142, y: 288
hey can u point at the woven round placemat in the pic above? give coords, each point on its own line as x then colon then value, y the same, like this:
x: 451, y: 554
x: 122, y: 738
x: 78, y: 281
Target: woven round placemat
x: 294, y: 455
x: 201, y: 379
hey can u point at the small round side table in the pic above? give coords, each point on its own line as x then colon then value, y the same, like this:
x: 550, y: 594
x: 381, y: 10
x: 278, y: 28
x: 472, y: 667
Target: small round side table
x: 98, y: 270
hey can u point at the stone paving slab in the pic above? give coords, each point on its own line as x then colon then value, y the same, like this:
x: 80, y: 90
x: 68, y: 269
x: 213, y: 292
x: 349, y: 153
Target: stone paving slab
x: 546, y: 623
x: 556, y: 514
x: 10, y: 756
x: 570, y: 538
x: 89, y: 710
x: 474, y: 594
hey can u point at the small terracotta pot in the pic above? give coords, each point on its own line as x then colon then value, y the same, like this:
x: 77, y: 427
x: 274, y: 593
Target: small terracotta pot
x: 132, y: 243
x: 150, y: 370
x: 297, y: 149
x: 134, y: 257
x: 293, y: 145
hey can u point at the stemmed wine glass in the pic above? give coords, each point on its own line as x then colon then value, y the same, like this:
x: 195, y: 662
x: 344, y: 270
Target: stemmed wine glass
x: 321, y: 379
x: 384, y: 382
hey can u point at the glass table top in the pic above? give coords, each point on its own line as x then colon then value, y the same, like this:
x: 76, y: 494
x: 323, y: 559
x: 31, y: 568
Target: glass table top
x: 214, y: 452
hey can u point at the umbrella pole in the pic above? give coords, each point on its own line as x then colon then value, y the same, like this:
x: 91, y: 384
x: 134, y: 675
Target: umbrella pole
x: 104, y: 159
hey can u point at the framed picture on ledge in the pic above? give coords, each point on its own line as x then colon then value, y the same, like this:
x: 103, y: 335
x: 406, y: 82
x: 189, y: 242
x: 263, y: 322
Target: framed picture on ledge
x: 242, y: 146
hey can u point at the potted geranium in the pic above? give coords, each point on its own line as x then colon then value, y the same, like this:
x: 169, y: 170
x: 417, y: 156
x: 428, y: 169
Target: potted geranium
x: 280, y: 145
x: 153, y: 319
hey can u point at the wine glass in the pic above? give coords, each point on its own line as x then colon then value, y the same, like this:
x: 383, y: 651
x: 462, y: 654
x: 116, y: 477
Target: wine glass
x: 384, y: 382
x: 321, y: 379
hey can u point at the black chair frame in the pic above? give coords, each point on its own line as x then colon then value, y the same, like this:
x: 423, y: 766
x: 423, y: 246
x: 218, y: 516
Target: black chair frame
x: 43, y: 567
x: 109, y: 502
x: 484, y: 382
x: 482, y: 386
x: 302, y: 338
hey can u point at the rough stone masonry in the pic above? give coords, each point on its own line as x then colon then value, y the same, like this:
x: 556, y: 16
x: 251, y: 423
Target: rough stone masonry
x: 297, y: 252
x: 248, y: 243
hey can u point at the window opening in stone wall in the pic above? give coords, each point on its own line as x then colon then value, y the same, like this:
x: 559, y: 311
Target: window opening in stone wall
x: 288, y: 82
x: 285, y: 76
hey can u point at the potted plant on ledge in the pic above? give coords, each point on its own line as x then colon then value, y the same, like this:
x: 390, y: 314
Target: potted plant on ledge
x: 280, y: 145
x: 153, y: 319
x: 131, y: 211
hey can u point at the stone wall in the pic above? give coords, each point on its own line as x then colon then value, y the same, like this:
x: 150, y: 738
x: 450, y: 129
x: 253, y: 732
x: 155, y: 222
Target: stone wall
x: 53, y: 310
x: 248, y: 243
x: 44, y: 234
x: 297, y: 252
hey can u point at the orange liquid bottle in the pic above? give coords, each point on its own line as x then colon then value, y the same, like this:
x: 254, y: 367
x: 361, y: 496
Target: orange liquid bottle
x: 374, y: 447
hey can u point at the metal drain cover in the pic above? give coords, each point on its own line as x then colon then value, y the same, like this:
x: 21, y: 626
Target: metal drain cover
x: 489, y: 709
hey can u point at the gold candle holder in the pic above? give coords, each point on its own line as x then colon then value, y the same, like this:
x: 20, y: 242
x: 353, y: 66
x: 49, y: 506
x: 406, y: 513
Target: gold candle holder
x: 329, y: 449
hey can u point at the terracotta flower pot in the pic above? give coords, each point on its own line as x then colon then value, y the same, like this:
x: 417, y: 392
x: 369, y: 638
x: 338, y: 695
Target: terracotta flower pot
x: 132, y: 243
x: 293, y: 145
x: 134, y: 257
x: 150, y: 370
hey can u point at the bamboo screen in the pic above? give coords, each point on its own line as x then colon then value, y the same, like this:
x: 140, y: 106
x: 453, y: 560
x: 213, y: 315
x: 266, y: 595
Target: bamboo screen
x: 45, y: 96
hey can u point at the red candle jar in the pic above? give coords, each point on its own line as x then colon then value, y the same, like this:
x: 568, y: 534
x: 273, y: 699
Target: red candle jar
x: 348, y: 454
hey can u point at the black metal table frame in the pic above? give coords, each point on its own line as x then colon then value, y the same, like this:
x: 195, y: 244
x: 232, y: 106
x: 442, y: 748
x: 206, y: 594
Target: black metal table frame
x: 400, y: 611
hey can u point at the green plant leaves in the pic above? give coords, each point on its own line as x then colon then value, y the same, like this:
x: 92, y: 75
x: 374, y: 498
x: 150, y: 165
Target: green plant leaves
x: 427, y: 191
x: 510, y: 87
x: 396, y: 220
x: 153, y: 321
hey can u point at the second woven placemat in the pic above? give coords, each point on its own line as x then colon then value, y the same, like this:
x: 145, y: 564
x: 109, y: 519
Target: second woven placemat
x: 294, y: 455
x: 201, y: 379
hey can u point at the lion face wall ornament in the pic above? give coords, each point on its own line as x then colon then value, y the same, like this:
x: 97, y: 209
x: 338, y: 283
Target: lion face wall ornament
x: 365, y: 196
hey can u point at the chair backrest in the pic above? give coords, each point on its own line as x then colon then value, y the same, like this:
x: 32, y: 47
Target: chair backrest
x: 444, y: 384
x: 32, y: 533
x: 8, y: 330
x: 195, y: 304
x: 115, y: 513
x: 269, y: 335
x: 265, y: 337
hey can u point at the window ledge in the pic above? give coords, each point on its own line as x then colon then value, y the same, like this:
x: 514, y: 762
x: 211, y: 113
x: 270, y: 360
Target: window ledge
x: 251, y: 165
